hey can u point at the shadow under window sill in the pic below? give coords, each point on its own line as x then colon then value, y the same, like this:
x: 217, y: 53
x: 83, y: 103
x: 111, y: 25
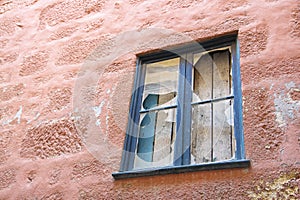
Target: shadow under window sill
x: 229, y: 164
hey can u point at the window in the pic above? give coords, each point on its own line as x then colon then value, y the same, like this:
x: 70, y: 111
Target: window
x: 186, y: 111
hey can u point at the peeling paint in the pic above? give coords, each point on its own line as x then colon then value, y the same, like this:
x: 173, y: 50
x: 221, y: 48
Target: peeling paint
x: 35, y: 118
x: 290, y: 85
x: 97, y: 110
x: 17, y: 116
x: 286, y: 108
x: 98, y: 122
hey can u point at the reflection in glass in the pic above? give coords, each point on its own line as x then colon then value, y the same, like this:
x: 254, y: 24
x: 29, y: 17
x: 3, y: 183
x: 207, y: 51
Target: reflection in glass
x: 221, y: 74
x: 161, y: 82
x: 202, y: 85
x: 158, y: 127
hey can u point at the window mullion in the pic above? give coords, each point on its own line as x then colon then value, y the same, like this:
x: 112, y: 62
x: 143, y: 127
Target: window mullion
x: 187, y: 111
x: 179, y: 116
x: 182, y: 155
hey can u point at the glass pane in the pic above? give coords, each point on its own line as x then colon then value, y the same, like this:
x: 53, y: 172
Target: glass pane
x: 202, y: 80
x: 201, y: 134
x: 160, y: 88
x: 156, y: 139
x: 223, y: 137
x: 221, y: 74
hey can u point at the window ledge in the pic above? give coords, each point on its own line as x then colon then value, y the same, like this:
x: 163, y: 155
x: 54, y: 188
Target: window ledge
x: 182, y: 169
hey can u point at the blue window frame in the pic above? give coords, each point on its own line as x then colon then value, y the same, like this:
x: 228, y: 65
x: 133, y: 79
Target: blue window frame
x: 186, y: 111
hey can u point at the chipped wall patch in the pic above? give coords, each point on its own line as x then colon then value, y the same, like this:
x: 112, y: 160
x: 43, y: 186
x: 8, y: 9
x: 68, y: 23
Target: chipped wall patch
x: 283, y: 187
x: 286, y: 107
x: 98, y: 110
x: 16, y: 117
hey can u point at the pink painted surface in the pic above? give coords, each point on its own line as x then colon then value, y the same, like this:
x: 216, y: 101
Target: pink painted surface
x: 53, y: 146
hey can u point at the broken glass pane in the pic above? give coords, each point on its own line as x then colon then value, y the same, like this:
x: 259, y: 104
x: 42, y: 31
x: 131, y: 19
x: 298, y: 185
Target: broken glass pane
x: 221, y: 74
x: 161, y: 82
x: 202, y: 82
x: 156, y: 139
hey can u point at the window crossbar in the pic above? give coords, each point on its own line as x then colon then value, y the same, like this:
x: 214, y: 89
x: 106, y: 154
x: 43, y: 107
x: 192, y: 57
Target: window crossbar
x: 212, y: 100
x: 158, y: 109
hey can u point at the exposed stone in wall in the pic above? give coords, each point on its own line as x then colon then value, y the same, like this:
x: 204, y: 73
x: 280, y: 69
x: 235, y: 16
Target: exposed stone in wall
x: 32, y: 64
x: 43, y: 79
x: 232, y: 4
x: 231, y: 24
x: 103, y: 48
x: 254, y: 41
x: 286, y: 186
x: 77, y: 51
x: 87, y: 168
x: 70, y: 74
x: 258, y: 71
x: 295, y: 94
x: 7, y: 177
x: 63, y: 32
x: 11, y: 91
x: 8, y: 57
x: 7, y: 5
x: 119, y: 66
x: 54, y: 196
x: 3, y: 43
x: 181, y: 3
x: 295, y: 25
x: 51, y: 139
x: 134, y: 2
x: 8, y: 25
x: 93, y: 25
x: 59, y: 98
x: 5, y: 137
x: 55, y: 13
x: 5, y: 112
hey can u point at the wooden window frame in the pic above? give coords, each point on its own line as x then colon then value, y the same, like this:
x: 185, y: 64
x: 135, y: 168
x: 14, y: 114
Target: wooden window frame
x: 182, y: 164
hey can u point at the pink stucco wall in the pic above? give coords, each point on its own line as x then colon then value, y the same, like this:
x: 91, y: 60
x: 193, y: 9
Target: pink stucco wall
x: 64, y: 108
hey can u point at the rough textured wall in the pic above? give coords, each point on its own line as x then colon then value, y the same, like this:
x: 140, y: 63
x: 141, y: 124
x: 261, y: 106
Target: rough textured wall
x: 62, y: 133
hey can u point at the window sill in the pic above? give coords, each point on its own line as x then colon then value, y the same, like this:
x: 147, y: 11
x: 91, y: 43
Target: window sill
x: 182, y: 169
